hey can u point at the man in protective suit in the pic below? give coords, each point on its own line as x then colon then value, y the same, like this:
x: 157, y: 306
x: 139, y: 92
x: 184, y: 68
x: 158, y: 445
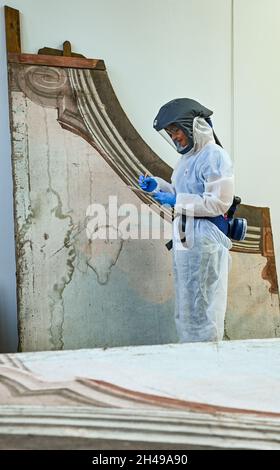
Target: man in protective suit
x: 201, y: 191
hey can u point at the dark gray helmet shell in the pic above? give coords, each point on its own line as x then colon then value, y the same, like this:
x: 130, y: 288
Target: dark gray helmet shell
x: 181, y: 112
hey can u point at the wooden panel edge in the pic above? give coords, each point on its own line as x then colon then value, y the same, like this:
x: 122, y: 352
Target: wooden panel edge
x: 12, y: 26
x: 56, y: 61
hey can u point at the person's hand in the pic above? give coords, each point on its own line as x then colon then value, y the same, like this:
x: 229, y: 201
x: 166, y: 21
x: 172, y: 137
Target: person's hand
x: 165, y: 198
x: 147, y: 183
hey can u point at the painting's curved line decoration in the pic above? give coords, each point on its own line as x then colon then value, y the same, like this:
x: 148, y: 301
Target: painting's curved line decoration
x: 165, y: 402
x: 259, y: 240
x: 88, y: 427
x: 84, y: 411
x: 101, y: 127
x: 88, y: 106
x: 21, y: 384
x: 74, y: 93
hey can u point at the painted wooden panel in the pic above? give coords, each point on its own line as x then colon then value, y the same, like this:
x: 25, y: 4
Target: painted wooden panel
x: 74, y: 292
x: 191, y: 396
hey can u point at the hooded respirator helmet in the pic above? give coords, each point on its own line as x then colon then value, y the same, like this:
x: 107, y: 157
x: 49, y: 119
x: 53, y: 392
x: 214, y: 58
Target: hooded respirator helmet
x: 181, y: 113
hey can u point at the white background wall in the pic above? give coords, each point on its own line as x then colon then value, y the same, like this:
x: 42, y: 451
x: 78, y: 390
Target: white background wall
x: 257, y: 106
x: 156, y: 50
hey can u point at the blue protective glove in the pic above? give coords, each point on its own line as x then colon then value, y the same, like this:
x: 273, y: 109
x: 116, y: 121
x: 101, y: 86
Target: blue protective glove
x: 147, y: 183
x: 165, y: 198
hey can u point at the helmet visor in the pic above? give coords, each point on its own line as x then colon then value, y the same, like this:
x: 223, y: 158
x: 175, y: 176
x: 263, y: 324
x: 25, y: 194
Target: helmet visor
x: 173, y: 138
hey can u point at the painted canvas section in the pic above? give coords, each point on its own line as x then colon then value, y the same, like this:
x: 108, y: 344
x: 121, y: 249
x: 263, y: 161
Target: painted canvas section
x: 74, y: 146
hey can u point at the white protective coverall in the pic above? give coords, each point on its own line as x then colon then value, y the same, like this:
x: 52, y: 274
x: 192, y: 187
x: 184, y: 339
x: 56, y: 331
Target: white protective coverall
x: 203, y: 183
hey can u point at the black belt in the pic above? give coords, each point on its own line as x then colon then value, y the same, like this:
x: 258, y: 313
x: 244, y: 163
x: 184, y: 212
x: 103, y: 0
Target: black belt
x: 219, y: 221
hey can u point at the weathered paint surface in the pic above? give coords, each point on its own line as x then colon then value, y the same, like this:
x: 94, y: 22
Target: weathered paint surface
x: 253, y: 311
x: 73, y: 293
x: 233, y: 374
x: 149, y: 397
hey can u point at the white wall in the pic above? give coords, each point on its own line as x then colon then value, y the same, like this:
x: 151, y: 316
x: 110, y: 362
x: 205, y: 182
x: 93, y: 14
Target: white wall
x: 257, y: 105
x: 156, y: 50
